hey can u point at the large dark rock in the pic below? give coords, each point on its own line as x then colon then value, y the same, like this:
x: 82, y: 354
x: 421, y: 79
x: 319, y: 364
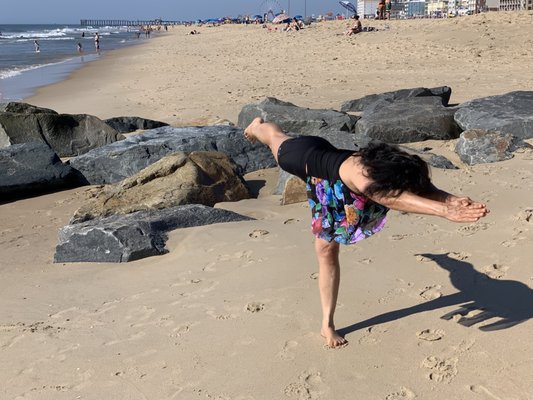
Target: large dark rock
x: 28, y: 168
x: 508, y: 113
x: 409, y: 120
x: 24, y: 108
x: 478, y: 146
x: 296, y: 119
x: 132, y: 124
x: 116, y: 161
x: 122, y: 238
x: 68, y: 135
x: 442, y: 92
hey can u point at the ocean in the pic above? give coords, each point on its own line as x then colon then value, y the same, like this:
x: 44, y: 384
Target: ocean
x: 23, y: 69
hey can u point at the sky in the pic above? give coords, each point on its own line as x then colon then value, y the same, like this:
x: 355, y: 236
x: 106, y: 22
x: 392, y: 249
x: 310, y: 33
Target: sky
x: 71, y: 11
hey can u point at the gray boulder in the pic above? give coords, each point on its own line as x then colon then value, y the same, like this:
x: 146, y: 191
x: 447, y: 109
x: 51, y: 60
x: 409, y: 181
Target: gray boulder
x: 116, y: 161
x: 409, y: 120
x: 296, y: 119
x: 68, y: 135
x: 123, y: 238
x: 508, y: 113
x: 29, y: 168
x: 435, y: 160
x: 478, y: 146
x: 132, y: 124
x: 442, y: 92
x: 24, y: 108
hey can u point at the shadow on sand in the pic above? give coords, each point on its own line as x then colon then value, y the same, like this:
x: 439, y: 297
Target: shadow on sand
x: 508, y: 302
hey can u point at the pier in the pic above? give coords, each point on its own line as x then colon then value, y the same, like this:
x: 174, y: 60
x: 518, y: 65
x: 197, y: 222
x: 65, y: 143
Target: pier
x: 122, y: 22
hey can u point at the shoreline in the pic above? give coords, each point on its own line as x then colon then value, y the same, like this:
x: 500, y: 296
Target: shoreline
x: 23, y: 82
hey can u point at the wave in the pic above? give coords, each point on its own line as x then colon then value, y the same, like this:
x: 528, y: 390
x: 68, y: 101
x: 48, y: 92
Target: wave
x: 10, y: 73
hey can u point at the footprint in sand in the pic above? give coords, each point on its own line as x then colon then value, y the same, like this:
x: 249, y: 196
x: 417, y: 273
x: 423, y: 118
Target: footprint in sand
x: 430, y: 335
x: 525, y: 215
x: 496, y: 271
x: 257, y: 233
x: 431, y: 292
x: 441, y: 369
x: 372, y: 335
x: 314, y: 275
x: 402, y: 394
x: 309, y: 386
x: 254, y: 307
x: 461, y: 256
x: 286, y: 353
x: 469, y: 230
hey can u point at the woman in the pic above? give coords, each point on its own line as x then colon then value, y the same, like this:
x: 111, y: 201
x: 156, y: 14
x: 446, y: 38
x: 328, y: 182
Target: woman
x: 350, y: 193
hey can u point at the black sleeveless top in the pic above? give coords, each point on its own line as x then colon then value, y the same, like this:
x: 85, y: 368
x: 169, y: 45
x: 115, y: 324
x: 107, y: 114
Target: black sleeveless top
x: 312, y: 156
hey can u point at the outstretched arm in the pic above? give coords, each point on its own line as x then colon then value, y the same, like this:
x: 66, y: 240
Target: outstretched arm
x: 438, y: 203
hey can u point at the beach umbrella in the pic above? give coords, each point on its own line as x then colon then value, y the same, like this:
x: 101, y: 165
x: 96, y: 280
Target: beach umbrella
x: 280, y: 18
x: 349, y: 6
x: 298, y: 17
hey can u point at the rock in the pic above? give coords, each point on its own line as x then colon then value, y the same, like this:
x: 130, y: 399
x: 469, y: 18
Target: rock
x: 294, y: 191
x: 132, y: 124
x: 24, y: 108
x: 30, y: 168
x: 443, y: 92
x: 409, y: 120
x: 510, y: 113
x: 200, y: 177
x: 296, y: 119
x: 68, y: 135
x: 435, y: 160
x: 116, y: 161
x: 123, y: 238
x: 477, y: 146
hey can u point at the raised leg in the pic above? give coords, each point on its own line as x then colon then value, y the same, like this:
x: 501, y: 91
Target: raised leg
x: 267, y: 133
x: 328, y: 282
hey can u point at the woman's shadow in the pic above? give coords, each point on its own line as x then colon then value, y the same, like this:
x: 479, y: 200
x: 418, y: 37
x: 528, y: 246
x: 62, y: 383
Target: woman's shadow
x: 508, y: 302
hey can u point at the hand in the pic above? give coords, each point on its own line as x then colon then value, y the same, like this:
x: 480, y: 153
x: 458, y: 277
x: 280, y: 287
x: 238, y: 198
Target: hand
x: 464, y: 209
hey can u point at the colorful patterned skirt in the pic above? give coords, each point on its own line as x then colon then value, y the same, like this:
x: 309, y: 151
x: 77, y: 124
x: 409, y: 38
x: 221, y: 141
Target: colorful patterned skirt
x: 341, y: 215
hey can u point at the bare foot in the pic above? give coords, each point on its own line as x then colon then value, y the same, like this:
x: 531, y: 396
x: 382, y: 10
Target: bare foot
x: 333, y: 339
x: 249, y: 131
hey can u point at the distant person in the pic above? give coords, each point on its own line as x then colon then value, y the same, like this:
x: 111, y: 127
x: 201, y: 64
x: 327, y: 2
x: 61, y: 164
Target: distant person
x: 80, y: 49
x: 388, y: 7
x: 97, y: 41
x: 83, y: 34
x: 37, y: 46
x: 381, y: 9
x: 356, y: 28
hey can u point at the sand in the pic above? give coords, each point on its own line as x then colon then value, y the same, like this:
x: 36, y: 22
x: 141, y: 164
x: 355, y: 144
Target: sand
x: 229, y: 314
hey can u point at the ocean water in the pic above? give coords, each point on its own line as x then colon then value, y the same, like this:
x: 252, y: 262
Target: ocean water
x: 23, y: 69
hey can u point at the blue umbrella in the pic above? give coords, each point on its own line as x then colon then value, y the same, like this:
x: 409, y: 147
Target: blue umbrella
x: 299, y: 17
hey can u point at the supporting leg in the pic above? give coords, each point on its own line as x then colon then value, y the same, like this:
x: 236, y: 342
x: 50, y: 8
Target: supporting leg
x: 328, y: 282
x: 267, y: 133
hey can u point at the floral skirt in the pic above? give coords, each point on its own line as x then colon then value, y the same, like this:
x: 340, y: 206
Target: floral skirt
x: 341, y: 215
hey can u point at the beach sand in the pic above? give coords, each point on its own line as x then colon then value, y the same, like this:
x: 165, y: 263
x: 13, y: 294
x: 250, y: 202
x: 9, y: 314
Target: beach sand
x: 227, y: 315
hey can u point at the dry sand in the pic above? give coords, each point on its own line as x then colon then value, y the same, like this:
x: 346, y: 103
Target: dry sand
x: 227, y: 316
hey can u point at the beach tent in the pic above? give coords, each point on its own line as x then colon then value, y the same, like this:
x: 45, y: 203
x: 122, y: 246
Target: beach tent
x: 349, y: 6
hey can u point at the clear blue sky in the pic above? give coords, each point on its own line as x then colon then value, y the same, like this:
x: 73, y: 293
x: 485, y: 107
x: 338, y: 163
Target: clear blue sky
x: 71, y: 11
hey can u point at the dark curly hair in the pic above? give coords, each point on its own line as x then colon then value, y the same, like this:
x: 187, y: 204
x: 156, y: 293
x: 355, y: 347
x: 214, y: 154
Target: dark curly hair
x: 394, y: 171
